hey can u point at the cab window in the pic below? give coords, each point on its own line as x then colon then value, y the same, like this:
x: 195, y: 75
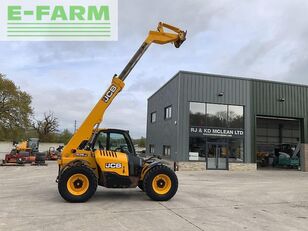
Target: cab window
x: 117, y: 143
x: 101, y: 141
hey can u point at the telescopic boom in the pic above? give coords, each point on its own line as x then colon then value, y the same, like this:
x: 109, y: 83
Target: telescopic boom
x: 88, y: 128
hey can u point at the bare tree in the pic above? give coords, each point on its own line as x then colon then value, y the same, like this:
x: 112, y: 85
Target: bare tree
x: 46, y: 127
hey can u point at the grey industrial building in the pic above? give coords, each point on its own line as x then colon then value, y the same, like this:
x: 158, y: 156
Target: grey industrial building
x: 212, y: 121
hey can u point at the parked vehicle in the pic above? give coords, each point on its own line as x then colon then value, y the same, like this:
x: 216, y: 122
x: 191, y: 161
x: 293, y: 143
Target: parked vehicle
x: 107, y: 157
x: 24, y: 152
x: 287, y: 155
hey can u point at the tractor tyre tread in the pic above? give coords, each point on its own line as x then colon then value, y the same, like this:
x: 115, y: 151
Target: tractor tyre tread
x: 148, y: 179
x: 62, y: 184
x: 140, y: 185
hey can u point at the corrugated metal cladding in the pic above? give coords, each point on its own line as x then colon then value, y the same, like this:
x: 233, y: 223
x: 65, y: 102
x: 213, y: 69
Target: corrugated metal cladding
x: 281, y: 100
x: 163, y: 132
x: 258, y: 97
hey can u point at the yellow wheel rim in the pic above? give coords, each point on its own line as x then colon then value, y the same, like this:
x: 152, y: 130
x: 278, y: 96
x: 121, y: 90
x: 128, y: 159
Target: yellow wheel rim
x: 161, y: 184
x: 77, y: 184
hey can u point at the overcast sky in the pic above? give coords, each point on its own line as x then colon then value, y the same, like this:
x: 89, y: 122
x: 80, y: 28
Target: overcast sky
x: 257, y: 39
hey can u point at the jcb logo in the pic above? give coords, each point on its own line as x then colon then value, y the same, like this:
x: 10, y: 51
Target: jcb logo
x: 113, y: 165
x: 109, y: 93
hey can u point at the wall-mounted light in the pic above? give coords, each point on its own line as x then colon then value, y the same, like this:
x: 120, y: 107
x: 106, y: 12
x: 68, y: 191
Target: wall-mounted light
x: 221, y: 93
x: 281, y: 99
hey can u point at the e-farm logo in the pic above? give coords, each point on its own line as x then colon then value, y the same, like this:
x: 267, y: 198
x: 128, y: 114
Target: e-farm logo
x: 59, y: 20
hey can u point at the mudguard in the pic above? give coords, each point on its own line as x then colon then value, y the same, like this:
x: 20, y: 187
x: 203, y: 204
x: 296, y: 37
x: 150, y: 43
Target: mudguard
x: 73, y: 163
x: 148, y: 167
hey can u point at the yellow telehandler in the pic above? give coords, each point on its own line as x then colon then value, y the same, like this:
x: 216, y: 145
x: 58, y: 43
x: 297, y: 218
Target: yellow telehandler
x: 107, y: 157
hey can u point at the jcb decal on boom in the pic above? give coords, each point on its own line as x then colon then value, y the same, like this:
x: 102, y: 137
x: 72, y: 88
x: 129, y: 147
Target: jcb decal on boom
x: 109, y: 93
x: 113, y: 165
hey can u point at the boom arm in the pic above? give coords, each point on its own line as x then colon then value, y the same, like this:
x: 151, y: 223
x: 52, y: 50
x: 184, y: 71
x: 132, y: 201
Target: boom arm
x: 91, y: 123
x: 158, y: 37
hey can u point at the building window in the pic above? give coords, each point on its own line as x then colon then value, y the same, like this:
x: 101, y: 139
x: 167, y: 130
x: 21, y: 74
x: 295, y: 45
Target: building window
x: 236, y: 116
x: 236, y: 150
x: 168, y: 112
x: 153, y: 117
x: 166, y: 150
x: 216, y: 130
x: 151, y: 148
x: 217, y: 115
x: 197, y: 148
x: 197, y: 114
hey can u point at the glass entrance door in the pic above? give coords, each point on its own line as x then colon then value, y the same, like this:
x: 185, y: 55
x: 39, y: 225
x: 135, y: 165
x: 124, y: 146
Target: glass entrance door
x: 217, y: 156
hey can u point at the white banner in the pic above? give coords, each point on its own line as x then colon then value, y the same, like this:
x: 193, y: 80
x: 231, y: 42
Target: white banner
x: 59, y: 20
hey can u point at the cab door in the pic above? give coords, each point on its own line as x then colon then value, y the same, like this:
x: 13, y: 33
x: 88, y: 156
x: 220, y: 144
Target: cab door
x: 111, y: 153
x: 120, y: 141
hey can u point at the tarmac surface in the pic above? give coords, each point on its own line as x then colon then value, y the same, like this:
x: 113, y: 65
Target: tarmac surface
x: 209, y: 200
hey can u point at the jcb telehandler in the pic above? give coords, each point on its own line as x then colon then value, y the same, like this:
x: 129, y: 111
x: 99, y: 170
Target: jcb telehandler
x: 107, y: 157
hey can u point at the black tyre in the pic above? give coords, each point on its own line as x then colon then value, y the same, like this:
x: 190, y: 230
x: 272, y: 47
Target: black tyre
x: 140, y: 185
x: 160, y: 183
x: 19, y: 161
x: 77, y: 184
x: 40, y: 157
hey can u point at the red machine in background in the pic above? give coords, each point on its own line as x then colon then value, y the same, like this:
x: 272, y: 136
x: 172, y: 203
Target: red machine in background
x: 25, y: 152
x: 53, y: 153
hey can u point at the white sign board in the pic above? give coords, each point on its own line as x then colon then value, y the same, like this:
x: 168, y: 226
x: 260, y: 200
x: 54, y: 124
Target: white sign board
x: 59, y: 20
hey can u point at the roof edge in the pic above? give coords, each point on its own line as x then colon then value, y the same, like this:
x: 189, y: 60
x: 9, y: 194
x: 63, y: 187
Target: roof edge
x: 165, y: 84
x: 242, y: 78
x: 226, y: 77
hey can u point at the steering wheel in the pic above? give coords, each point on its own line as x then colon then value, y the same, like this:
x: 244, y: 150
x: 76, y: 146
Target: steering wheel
x: 119, y: 149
